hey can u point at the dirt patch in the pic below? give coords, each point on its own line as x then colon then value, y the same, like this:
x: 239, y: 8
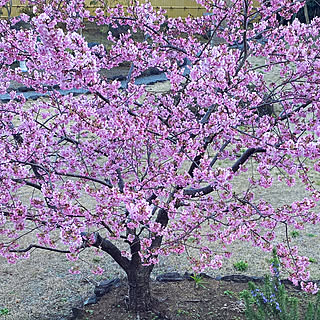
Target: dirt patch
x: 174, y: 301
x: 216, y: 300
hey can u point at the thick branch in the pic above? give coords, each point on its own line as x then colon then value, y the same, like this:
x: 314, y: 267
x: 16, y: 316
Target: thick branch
x: 196, y: 161
x: 120, y: 180
x: 163, y: 219
x: 209, y: 188
x: 207, y: 115
x: 28, y: 183
x: 107, y: 246
x: 198, y: 192
x: 245, y: 156
x: 286, y: 115
x: 244, y: 39
x: 215, y: 158
x: 102, y: 97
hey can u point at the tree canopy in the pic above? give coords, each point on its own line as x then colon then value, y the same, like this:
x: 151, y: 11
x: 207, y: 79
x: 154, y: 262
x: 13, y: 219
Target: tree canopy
x: 123, y: 163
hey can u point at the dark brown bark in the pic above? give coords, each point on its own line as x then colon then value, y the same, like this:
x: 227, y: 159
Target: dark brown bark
x: 245, y: 156
x: 137, y: 274
x: 108, y: 247
x: 209, y: 188
x: 138, y: 280
x: 139, y: 288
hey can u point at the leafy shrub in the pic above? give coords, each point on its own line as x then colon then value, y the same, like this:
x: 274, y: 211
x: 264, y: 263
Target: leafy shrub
x: 272, y: 302
x: 4, y: 311
x: 241, y: 265
x: 294, y: 234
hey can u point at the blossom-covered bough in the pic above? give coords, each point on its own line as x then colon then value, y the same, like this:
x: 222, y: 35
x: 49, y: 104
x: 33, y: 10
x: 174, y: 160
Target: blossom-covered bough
x: 152, y: 170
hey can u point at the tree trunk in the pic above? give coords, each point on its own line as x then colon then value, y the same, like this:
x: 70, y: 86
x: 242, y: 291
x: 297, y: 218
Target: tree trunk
x: 138, y: 275
x: 139, y: 288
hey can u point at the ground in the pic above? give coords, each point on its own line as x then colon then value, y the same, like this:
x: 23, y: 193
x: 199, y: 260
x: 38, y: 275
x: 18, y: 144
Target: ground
x: 215, y: 300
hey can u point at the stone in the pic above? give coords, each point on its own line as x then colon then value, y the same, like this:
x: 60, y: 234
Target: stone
x: 170, y: 277
x: 91, y: 300
x: 76, y: 313
x: 205, y: 276
x: 93, y: 44
x: 241, y: 278
x: 25, y: 89
x: 105, y: 286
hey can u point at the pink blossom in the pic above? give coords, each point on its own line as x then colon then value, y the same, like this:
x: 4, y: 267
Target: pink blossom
x: 161, y: 171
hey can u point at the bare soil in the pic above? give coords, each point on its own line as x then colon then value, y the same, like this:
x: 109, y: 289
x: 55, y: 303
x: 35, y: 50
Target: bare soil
x: 175, y: 301
x: 216, y: 300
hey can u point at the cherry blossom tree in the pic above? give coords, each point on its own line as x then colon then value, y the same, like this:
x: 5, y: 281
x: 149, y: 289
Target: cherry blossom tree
x: 135, y: 173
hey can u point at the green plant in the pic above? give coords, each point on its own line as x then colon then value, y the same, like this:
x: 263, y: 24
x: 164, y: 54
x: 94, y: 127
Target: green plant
x: 272, y: 302
x: 242, y: 294
x: 311, y: 235
x: 294, y: 234
x: 228, y: 293
x: 154, y: 316
x: 198, y: 280
x: 181, y: 312
x: 192, y: 239
x: 4, y: 311
x: 312, y: 260
x: 90, y: 311
x: 313, y: 310
x: 96, y: 259
x: 241, y: 265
